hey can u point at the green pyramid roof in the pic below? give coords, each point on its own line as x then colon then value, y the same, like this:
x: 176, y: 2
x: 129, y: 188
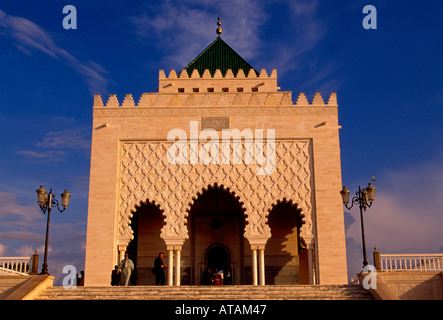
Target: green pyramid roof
x: 219, y: 55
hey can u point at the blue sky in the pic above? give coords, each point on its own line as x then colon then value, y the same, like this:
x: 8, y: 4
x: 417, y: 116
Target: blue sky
x: 389, y: 83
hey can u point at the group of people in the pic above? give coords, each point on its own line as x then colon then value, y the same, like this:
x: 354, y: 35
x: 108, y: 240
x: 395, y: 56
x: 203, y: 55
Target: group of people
x: 121, y: 274
x: 216, y: 278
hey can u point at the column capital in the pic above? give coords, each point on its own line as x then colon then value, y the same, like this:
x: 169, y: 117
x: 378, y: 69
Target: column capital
x: 174, y: 243
x: 121, y: 247
x: 310, y: 242
x: 123, y: 242
x: 173, y: 247
x: 257, y: 243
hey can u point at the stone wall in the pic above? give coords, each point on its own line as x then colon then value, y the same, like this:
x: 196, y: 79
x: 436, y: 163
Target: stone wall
x: 415, y: 285
x: 406, y: 285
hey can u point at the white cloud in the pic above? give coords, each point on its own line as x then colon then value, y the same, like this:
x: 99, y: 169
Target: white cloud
x: 183, y: 30
x: 69, y: 138
x: 28, y: 251
x: 48, y: 155
x: 16, y: 216
x: 3, y: 249
x: 296, y: 52
x: 21, y: 235
x: 29, y: 36
x: 55, y: 144
x: 19, y: 223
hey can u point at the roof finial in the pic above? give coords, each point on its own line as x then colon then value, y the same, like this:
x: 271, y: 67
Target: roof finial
x: 219, y: 30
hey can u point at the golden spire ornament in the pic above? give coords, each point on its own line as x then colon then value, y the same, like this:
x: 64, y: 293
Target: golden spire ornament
x: 219, y: 30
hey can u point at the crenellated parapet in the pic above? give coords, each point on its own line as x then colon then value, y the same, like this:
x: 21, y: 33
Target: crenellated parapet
x: 280, y: 98
x: 250, y: 93
x: 217, y: 75
x: 195, y: 82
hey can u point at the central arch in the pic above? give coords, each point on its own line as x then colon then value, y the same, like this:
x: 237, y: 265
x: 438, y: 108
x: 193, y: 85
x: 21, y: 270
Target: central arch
x: 216, y: 223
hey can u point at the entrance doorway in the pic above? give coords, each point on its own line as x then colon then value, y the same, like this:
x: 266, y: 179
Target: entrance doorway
x: 216, y: 226
x: 218, y: 257
x: 218, y: 265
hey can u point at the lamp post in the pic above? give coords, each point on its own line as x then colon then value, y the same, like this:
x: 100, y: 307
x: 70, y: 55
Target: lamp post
x: 46, y: 202
x: 364, y: 198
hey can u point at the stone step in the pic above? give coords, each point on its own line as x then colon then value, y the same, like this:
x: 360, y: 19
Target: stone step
x: 276, y: 292
x: 9, y: 283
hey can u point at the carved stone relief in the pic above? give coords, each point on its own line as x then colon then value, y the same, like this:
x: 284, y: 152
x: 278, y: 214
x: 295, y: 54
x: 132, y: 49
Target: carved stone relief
x: 145, y: 175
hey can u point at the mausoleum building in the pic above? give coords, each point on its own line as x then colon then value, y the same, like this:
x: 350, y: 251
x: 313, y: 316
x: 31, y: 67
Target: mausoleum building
x: 218, y: 169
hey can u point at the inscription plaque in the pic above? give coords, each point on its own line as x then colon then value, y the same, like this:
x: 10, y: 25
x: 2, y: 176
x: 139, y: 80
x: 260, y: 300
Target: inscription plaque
x: 216, y: 123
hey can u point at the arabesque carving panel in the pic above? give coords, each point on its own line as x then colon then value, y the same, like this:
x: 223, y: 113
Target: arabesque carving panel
x: 146, y: 175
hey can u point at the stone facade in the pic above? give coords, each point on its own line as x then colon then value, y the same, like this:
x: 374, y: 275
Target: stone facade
x: 130, y: 169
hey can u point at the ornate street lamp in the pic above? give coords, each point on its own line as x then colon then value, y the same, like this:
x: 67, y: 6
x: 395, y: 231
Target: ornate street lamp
x: 46, y: 202
x: 364, y: 198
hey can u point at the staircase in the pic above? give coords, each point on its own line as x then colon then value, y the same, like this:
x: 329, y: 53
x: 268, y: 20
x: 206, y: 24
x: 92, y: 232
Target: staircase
x: 274, y: 292
x: 10, y: 283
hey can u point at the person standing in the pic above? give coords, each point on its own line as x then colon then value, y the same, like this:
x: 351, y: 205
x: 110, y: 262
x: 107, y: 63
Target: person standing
x: 126, y: 266
x: 159, y: 270
x: 115, y: 276
x: 81, y: 282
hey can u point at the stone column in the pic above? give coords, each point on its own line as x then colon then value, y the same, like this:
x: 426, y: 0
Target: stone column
x: 121, y: 253
x: 171, y: 267
x: 254, y: 267
x: 177, y: 268
x: 310, y: 246
x: 174, y: 244
x: 258, y: 248
x: 262, y: 266
x: 310, y: 267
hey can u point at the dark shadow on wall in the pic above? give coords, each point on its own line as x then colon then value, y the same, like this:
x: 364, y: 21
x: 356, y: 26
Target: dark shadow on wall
x: 146, y: 223
x: 284, y: 248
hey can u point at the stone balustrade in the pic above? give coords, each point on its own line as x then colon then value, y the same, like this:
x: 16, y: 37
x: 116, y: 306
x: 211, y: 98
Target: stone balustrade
x: 19, y: 265
x: 411, y: 262
x: 15, y: 265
